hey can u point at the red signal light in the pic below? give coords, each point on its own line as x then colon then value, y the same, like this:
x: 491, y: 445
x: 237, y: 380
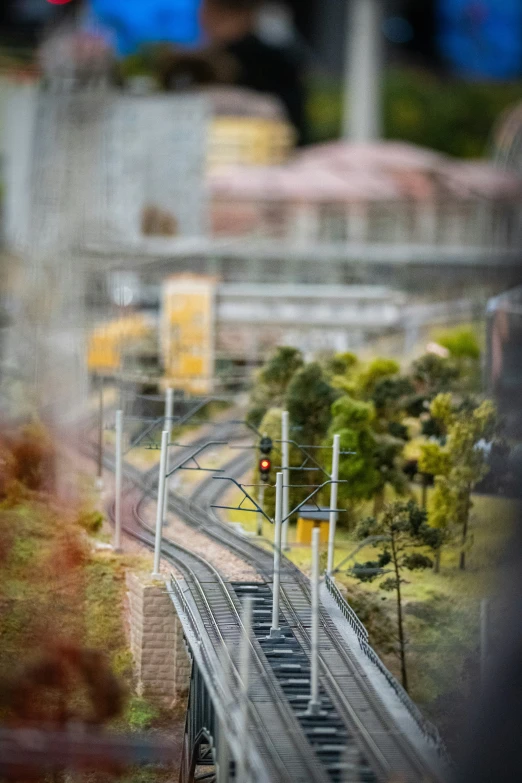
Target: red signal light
x: 264, y: 469
x: 58, y: 2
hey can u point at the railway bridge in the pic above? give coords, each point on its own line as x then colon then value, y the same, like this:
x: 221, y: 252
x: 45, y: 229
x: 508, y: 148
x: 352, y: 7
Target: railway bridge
x: 247, y: 717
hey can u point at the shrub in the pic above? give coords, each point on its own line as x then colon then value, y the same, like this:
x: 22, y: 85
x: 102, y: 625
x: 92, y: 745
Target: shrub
x: 90, y: 521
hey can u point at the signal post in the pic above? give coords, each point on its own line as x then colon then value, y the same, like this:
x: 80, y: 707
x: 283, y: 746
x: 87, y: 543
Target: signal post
x: 265, y: 466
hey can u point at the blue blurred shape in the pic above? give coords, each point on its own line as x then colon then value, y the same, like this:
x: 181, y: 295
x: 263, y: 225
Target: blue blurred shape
x: 481, y: 38
x: 135, y: 22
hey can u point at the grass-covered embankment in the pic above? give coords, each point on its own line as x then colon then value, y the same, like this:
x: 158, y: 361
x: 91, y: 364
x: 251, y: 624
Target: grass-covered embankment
x: 64, y: 652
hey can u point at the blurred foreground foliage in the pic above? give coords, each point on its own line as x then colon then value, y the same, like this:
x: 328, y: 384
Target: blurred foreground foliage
x: 64, y: 654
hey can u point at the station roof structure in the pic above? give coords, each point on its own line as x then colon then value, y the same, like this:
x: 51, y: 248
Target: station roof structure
x: 311, y: 512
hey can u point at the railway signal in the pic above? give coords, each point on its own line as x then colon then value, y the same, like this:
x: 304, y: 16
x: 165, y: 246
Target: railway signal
x: 266, y: 445
x: 264, y: 469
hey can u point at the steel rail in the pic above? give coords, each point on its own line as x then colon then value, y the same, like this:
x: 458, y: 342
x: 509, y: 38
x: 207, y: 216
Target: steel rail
x: 341, y: 698
x: 196, y: 516
x: 261, y: 559
x: 302, y: 748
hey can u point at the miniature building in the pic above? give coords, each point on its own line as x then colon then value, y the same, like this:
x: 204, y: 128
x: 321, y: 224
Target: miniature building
x: 111, y: 345
x: 206, y: 325
x: 310, y: 518
x: 187, y: 332
x: 388, y: 192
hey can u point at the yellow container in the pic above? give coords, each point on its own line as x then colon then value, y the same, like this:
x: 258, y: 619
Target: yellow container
x: 305, y: 527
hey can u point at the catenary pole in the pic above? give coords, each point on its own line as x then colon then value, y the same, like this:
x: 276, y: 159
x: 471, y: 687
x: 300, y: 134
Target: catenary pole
x: 118, y: 480
x: 285, y: 464
x: 169, y: 415
x: 333, y: 504
x: 244, y: 673
x: 160, y: 505
x: 275, y: 631
x: 169, y: 408
x: 314, y: 705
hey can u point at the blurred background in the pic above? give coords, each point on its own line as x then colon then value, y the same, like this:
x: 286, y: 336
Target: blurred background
x: 371, y: 144
x: 189, y: 185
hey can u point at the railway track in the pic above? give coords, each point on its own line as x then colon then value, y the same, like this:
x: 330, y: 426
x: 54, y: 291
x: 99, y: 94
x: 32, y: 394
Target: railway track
x: 345, y: 687
x: 273, y: 729
x: 342, y: 678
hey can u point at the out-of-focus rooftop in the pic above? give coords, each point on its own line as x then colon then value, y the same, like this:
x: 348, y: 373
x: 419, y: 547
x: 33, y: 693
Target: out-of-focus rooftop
x: 344, y: 171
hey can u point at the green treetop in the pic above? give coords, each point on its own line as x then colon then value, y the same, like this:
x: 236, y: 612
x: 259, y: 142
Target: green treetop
x: 376, y: 371
x: 458, y: 465
x: 308, y: 400
x: 340, y: 364
x: 376, y: 461
x: 353, y: 420
x: 433, y: 375
x: 272, y: 382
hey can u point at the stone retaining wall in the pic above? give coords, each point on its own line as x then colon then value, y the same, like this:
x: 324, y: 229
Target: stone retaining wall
x: 161, y: 662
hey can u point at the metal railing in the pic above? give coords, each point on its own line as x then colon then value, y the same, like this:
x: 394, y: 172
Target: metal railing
x: 345, y: 608
x: 428, y: 729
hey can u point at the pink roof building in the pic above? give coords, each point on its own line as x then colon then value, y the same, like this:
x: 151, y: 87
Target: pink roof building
x: 379, y: 192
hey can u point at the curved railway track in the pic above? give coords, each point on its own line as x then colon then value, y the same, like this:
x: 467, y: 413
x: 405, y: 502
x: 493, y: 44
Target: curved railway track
x: 284, y: 749
x: 388, y: 751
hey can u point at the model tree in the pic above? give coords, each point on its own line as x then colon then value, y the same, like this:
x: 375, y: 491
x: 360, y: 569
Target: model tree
x: 353, y: 420
x: 389, y: 462
x: 376, y: 461
x: 309, y: 398
x: 272, y: 382
x: 433, y: 374
x: 458, y: 463
x: 340, y: 364
x: 374, y: 372
x: 342, y: 371
x: 464, y: 350
x: 399, y: 534
x: 382, y: 384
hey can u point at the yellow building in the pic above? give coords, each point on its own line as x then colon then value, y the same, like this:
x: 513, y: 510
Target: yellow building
x: 310, y: 518
x: 249, y: 141
x: 108, y: 343
x: 188, y: 332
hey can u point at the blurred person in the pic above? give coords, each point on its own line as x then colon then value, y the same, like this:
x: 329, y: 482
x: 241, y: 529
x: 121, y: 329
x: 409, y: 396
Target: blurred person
x: 260, y: 64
